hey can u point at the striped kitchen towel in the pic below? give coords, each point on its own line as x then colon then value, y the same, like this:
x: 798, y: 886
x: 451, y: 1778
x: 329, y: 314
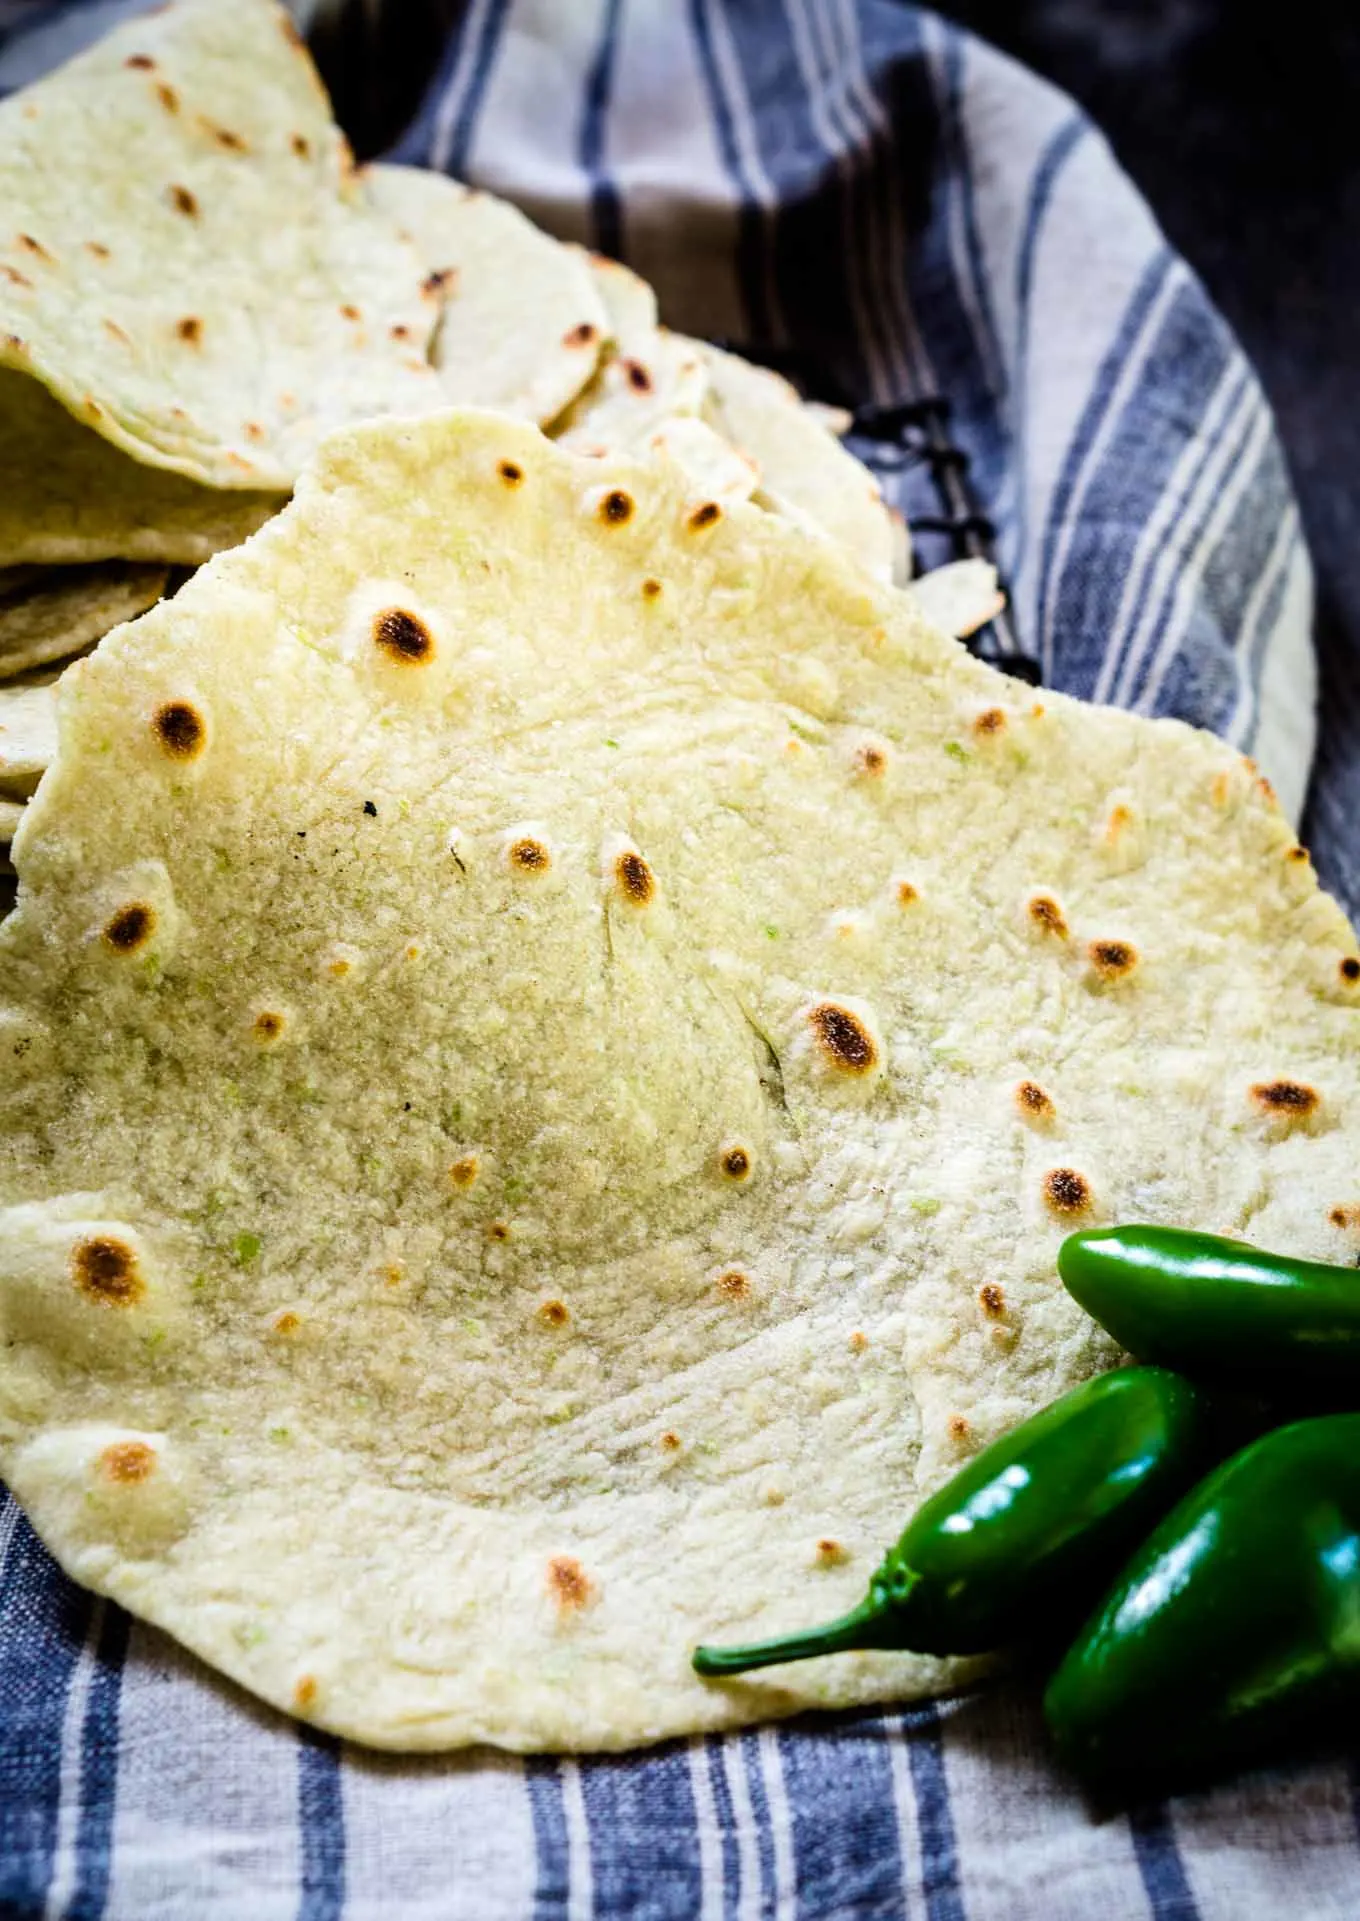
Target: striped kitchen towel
x: 857, y: 184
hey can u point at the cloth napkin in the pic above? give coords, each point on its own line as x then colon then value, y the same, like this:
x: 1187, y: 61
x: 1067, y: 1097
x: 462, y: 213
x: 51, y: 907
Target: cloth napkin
x: 906, y: 211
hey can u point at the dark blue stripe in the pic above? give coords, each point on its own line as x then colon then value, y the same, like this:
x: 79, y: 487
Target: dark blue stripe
x: 934, y: 1816
x: 642, y: 1822
x: 716, y: 1746
x: 751, y: 238
x: 847, y: 1846
x: 552, y: 1851
x: 1054, y: 158
x: 99, y: 1768
x: 1160, y: 1865
x: 321, y: 1820
x: 957, y: 47
x: 43, y: 1622
x: 1088, y: 428
x: 605, y: 209
x: 415, y: 148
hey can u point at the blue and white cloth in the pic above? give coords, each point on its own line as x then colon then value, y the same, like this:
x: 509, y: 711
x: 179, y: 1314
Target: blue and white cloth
x: 856, y: 180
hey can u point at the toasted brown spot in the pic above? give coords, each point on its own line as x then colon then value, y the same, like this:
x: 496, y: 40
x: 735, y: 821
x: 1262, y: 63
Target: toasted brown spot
x: 393, y: 1273
x: 180, y: 729
x: 128, y: 1461
x: 1120, y: 818
x: 858, y: 1342
x: 400, y: 331
x: 580, y: 336
x: 301, y: 146
x: 465, y: 1170
x: 183, y: 201
x: 705, y: 516
x: 1112, y: 958
x: 637, y: 376
x: 288, y: 28
x: 650, y: 589
x: 845, y: 1041
x: 1046, y: 914
x: 106, y: 1270
x: 14, y: 277
x: 168, y: 98
x: 1348, y: 1217
x: 1297, y: 853
x: 1066, y: 1191
x: 1349, y: 969
x: 1266, y: 791
x: 634, y: 877
x: 15, y: 345
x: 234, y: 459
x: 992, y: 1300
x: 231, y: 141
x: 734, y: 1285
x: 140, y: 60
x: 190, y: 329
x: 30, y: 245
x: 93, y: 408
x: 131, y: 927
x: 1032, y: 1101
x: 304, y: 1692
x: 992, y: 721
x: 735, y: 1163
x: 906, y: 893
x: 403, y: 637
x: 510, y: 472
x: 1293, y: 1098
x: 530, y: 856
x: 498, y: 1230
x: 871, y: 761
x: 670, y: 1441
x: 436, y: 282
x: 112, y: 327
x: 616, y: 507
x: 285, y: 1323
x: 254, y: 431
x: 350, y: 312
x: 568, y: 1582
x: 268, y: 1026
x: 830, y: 1553
x: 554, y: 1314
x: 959, y: 1429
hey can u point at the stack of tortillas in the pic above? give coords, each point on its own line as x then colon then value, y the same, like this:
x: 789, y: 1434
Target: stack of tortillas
x: 552, y: 1030
x: 196, y: 286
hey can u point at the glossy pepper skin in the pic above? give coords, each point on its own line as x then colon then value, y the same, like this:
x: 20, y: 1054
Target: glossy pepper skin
x: 1044, y: 1514
x: 1233, y: 1635
x: 1217, y: 1308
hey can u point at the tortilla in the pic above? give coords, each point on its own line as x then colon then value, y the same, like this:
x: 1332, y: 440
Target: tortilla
x: 551, y: 1042
x: 806, y: 474
x: 522, y: 325
x: 648, y: 377
x: 64, y: 610
x: 959, y: 597
x: 68, y: 496
x: 189, y: 263
x: 28, y: 731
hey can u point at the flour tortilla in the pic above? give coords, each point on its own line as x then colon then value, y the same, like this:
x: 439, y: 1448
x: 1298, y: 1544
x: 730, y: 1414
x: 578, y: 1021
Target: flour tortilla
x: 66, y: 495
x: 806, y: 474
x: 648, y: 377
x: 28, y: 731
x: 522, y: 326
x: 550, y: 1048
x: 189, y: 263
x: 61, y: 611
x: 960, y: 597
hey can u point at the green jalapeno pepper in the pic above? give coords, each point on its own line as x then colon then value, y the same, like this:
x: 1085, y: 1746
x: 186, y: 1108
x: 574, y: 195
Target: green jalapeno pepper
x: 1233, y: 1635
x: 1217, y: 1308
x: 1044, y: 1514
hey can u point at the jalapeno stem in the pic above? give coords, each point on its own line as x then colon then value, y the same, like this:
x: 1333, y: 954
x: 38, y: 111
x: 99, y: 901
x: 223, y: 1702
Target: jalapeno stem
x: 861, y: 1628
